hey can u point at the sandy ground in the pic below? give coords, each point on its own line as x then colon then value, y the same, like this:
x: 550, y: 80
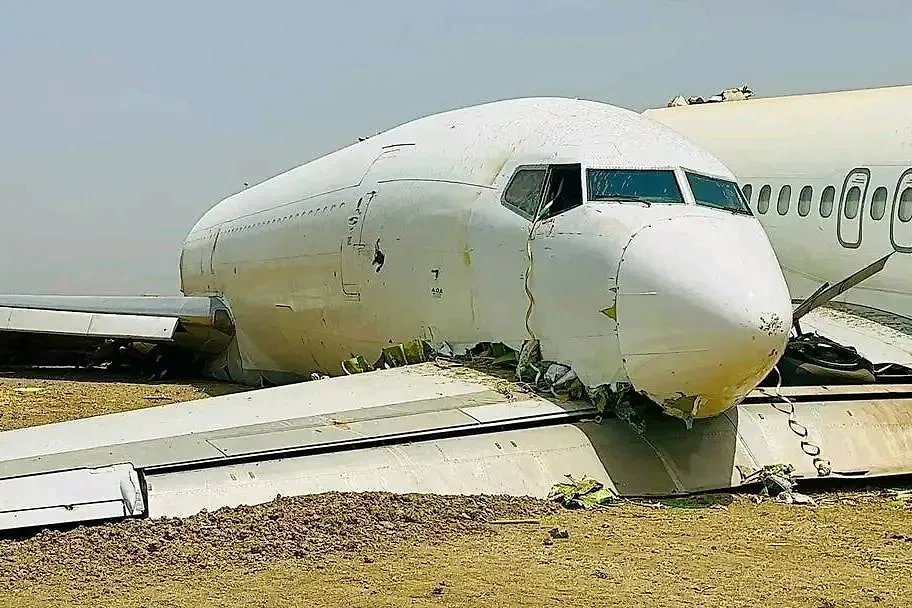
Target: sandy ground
x: 36, y: 397
x: 853, y: 549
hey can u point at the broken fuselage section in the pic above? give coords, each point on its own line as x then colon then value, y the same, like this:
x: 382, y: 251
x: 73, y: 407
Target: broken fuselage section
x: 604, y: 240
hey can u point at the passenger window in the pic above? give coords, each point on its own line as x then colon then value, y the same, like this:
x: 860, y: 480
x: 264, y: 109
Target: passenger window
x: 785, y: 197
x: 763, y: 200
x: 747, y: 190
x: 826, y: 201
x: 565, y: 189
x: 905, y: 205
x: 525, y: 189
x: 804, y: 201
x: 852, y: 203
x: 879, y: 204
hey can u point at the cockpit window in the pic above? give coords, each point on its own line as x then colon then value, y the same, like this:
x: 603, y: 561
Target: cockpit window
x: 633, y: 185
x: 717, y: 193
x: 525, y: 190
x: 544, y: 191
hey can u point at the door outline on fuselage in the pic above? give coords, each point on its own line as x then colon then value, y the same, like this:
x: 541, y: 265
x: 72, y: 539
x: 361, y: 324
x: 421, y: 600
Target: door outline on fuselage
x: 210, y: 272
x: 352, y: 248
x: 904, y: 181
x: 852, y: 227
x: 351, y: 261
x: 218, y: 232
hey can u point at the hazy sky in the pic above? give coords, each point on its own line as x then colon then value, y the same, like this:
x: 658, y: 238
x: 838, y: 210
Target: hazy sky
x: 121, y: 123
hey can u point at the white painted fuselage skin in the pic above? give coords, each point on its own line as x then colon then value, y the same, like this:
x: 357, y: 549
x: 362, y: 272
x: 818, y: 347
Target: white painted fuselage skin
x: 829, y: 176
x: 406, y: 234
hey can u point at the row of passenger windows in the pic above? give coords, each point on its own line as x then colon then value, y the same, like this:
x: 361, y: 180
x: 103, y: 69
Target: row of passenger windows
x: 827, y: 201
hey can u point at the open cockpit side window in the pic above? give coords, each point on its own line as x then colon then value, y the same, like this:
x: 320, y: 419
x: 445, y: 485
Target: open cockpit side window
x: 547, y: 191
x: 565, y: 190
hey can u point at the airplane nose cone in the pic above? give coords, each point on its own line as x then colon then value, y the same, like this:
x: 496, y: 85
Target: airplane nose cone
x: 703, y: 312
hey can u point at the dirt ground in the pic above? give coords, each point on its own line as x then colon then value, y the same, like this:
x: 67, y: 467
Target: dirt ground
x: 33, y: 397
x: 852, y: 549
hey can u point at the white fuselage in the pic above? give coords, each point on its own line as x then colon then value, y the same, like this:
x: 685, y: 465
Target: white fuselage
x: 830, y: 178
x: 410, y: 234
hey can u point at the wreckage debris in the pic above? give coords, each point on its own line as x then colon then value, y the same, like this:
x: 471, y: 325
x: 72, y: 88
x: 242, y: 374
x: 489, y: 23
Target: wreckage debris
x: 398, y: 355
x: 779, y: 481
x: 731, y: 94
x: 531, y: 371
x: 582, y: 493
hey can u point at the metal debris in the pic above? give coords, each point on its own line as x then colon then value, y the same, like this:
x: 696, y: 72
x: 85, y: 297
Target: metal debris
x: 779, y: 482
x: 532, y: 373
x: 795, y: 498
x: 776, y: 478
x: 731, y: 94
x: 625, y: 404
x: 398, y: 355
x: 356, y: 365
x: 529, y: 360
x: 582, y: 493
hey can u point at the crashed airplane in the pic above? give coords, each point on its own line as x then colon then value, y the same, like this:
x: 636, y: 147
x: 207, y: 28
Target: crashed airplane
x: 573, y: 235
x: 568, y: 222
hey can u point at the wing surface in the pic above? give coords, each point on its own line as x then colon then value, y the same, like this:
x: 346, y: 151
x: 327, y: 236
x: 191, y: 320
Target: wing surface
x: 35, y: 329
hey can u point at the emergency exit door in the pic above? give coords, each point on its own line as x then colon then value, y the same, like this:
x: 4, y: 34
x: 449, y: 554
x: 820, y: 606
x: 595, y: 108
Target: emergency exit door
x: 851, y: 207
x: 901, y: 214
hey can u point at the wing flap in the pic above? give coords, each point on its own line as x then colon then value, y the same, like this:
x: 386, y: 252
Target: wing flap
x: 90, y: 324
x: 70, y: 496
x: 156, y: 306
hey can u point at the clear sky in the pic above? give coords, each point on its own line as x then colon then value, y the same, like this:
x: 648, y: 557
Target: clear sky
x: 121, y: 123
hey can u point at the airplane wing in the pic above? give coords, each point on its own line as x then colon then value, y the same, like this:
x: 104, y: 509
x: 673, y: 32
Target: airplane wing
x: 46, y: 329
x: 422, y: 428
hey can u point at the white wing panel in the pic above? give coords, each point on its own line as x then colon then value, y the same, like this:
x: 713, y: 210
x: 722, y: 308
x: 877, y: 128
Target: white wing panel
x: 70, y: 496
x: 87, y: 324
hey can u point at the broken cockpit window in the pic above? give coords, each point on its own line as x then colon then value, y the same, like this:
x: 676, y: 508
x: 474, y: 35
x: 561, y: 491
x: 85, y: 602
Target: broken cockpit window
x: 565, y: 189
x: 717, y: 193
x: 633, y: 185
x: 546, y: 191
